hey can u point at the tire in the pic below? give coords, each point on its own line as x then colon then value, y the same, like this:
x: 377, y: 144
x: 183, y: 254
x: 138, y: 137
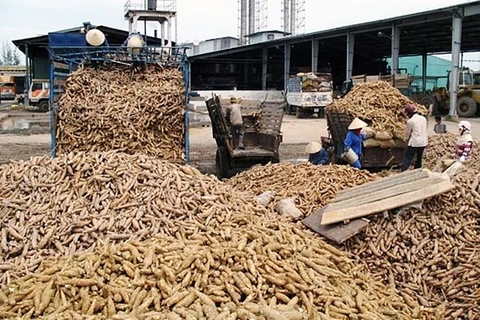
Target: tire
x: 43, y: 106
x: 299, y: 113
x: 430, y: 100
x: 321, y: 113
x: 466, y: 107
x: 222, y: 163
x: 276, y: 158
x: 290, y: 109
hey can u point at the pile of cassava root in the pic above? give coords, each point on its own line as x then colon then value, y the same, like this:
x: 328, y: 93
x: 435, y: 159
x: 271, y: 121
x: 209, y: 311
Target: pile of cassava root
x: 382, y: 107
x: 197, y: 248
x: 119, y: 109
x: 433, y: 253
x: 429, y: 254
x: 311, y: 186
x: 230, y: 272
x: 55, y: 207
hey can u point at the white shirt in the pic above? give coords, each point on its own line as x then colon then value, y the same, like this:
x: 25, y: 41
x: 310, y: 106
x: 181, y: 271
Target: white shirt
x: 417, y: 131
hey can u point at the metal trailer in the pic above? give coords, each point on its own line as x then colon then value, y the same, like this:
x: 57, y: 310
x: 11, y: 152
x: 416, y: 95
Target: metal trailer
x: 262, y: 137
x: 66, y: 59
x: 374, y: 159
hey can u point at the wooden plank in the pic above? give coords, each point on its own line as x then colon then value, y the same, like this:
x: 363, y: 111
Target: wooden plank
x: 337, y: 232
x: 383, y: 184
x: 59, y: 82
x: 60, y: 65
x: 399, y: 175
x: 383, y: 193
x: 386, y: 204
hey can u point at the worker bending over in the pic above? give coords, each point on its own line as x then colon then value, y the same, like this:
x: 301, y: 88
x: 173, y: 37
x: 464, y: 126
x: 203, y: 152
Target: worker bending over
x: 464, y: 142
x: 233, y: 115
x: 354, y: 142
x: 416, y: 136
x: 316, y: 153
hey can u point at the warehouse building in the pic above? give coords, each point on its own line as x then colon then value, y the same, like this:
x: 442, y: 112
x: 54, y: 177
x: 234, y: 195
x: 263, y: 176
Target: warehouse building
x: 346, y: 51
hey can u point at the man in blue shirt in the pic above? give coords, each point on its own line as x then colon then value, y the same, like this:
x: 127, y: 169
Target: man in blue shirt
x: 354, y: 140
x: 316, y: 153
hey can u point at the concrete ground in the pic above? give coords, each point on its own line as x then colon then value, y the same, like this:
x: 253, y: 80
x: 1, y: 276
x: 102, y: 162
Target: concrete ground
x: 23, y: 144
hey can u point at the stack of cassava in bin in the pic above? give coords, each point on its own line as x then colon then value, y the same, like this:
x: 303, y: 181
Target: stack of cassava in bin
x: 382, y: 107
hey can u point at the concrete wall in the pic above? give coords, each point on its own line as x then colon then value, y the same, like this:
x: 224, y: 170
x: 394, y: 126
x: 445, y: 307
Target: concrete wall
x: 245, y: 95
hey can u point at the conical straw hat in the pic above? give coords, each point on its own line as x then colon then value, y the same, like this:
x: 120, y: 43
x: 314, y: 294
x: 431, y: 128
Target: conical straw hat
x: 357, y: 124
x: 95, y: 37
x: 313, y: 147
x: 135, y: 42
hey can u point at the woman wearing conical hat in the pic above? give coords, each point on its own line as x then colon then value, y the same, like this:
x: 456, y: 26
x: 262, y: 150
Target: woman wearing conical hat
x: 316, y: 153
x: 354, y: 140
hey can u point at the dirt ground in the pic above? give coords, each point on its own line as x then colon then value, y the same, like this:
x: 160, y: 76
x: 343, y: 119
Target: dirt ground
x: 23, y: 144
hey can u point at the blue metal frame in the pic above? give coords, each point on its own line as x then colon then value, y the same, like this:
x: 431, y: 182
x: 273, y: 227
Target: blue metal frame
x: 76, y: 56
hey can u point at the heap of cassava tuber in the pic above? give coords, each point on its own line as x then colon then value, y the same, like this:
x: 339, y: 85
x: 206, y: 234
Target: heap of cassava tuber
x: 128, y: 236
x: 116, y: 108
x: 382, y: 107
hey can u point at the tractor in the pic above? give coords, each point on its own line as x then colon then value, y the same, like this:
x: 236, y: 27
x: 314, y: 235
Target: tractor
x: 468, y: 96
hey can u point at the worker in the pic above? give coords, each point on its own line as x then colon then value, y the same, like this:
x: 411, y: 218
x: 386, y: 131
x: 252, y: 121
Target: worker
x: 316, y: 153
x: 416, y: 137
x: 233, y: 115
x: 439, y: 127
x: 354, y: 142
x: 464, y: 142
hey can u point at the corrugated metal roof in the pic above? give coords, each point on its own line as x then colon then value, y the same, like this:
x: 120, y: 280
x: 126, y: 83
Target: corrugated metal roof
x: 428, y: 31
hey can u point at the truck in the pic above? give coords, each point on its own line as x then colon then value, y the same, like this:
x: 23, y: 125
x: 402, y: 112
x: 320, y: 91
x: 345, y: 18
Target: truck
x: 468, y: 95
x: 308, y: 94
x: 7, y: 88
x: 39, y: 94
x: 262, y: 136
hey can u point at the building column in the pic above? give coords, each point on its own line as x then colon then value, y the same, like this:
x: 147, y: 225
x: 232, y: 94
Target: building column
x: 134, y: 23
x: 264, y: 68
x: 395, y: 48
x: 27, y: 69
x: 424, y: 71
x: 162, y: 33
x: 286, y: 70
x: 315, y: 46
x: 456, y: 47
x: 169, y: 28
x: 350, y: 54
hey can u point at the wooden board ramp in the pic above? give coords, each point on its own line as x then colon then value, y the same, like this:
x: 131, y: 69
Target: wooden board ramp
x: 338, y: 232
x: 375, y: 197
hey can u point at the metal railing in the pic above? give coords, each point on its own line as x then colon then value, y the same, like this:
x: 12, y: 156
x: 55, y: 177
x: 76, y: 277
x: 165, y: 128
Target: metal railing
x: 150, y: 5
x: 172, y: 56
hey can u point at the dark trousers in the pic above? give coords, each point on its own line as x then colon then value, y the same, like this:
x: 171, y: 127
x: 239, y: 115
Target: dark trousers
x: 408, y: 157
x: 237, y: 132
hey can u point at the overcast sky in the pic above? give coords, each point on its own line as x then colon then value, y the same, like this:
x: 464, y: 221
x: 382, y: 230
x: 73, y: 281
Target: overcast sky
x: 198, y: 19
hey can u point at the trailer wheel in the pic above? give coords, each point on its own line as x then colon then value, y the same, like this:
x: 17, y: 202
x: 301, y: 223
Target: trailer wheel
x: 276, y: 158
x: 43, y: 106
x: 321, y: 113
x: 430, y: 100
x: 290, y: 109
x: 299, y: 113
x: 466, y: 107
x: 222, y: 163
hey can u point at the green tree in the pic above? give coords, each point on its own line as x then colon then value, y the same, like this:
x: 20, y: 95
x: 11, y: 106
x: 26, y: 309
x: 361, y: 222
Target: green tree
x: 9, y: 54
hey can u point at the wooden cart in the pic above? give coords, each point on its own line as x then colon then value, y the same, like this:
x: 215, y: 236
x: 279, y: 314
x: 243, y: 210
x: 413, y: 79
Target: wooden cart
x: 374, y: 159
x: 262, y: 137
